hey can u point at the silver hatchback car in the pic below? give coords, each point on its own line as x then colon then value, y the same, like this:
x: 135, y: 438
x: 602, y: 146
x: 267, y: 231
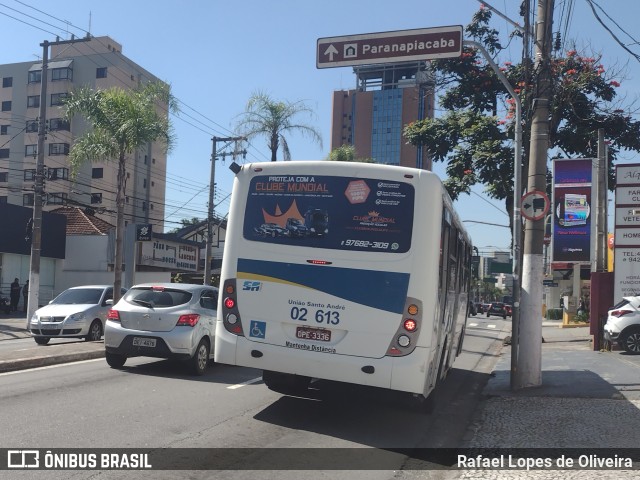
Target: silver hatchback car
x: 167, y: 320
x: 78, y: 312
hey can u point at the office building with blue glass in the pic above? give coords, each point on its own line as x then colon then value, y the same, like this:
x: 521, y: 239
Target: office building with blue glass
x: 372, y: 116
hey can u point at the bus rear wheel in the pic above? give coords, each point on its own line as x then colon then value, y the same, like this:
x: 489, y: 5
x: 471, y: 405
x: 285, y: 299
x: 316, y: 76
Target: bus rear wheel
x: 286, y: 383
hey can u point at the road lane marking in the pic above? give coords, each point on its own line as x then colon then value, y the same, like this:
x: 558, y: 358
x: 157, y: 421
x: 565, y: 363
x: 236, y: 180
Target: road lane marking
x: 48, y: 367
x: 473, y: 324
x: 491, y: 326
x: 243, y: 384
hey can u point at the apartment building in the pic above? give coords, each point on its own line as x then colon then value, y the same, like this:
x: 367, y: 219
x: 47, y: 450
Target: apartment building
x: 372, y: 116
x: 97, y: 63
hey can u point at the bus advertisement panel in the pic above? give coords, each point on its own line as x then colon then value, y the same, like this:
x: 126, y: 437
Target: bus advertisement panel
x: 330, y: 212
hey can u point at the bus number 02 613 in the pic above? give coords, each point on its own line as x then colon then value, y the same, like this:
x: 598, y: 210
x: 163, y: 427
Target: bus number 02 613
x: 330, y: 317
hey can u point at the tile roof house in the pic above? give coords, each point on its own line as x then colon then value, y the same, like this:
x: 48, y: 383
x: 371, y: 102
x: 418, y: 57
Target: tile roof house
x: 81, y: 222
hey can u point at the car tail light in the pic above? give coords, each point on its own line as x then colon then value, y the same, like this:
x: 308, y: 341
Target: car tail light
x: 188, y: 320
x: 620, y: 313
x: 113, y: 315
x: 157, y: 288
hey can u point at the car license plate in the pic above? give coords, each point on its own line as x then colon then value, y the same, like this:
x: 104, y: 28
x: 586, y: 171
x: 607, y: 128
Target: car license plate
x: 50, y: 326
x: 306, y: 333
x: 144, y: 342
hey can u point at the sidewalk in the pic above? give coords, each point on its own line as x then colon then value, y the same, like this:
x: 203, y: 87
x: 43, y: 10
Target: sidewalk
x: 13, y: 326
x: 587, y: 400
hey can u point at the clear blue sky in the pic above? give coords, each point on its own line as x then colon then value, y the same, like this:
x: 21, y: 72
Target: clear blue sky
x: 215, y: 54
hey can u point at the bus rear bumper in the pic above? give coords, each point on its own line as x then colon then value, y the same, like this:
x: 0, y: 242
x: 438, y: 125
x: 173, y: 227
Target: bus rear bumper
x: 408, y: 374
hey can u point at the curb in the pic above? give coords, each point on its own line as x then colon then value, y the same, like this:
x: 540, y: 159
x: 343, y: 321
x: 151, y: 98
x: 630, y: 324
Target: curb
x: 44, y: 361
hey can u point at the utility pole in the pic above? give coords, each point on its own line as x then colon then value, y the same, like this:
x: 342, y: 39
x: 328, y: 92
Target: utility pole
x: 209, y: 243
x: 528, y: 371
x: 36, y: 232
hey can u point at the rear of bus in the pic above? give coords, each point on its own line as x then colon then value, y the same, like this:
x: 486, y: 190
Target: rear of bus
x: 355, y: 304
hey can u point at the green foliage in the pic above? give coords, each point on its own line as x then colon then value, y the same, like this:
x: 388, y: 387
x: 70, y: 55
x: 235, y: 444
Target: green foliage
x: 475, y: 134
x: 271, y: 118
x: 347, y: 153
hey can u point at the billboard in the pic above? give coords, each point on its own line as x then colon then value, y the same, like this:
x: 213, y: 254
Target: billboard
x: 571, y: 210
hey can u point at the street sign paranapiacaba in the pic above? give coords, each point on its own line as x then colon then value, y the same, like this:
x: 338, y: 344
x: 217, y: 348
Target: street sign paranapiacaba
x: 389, y: 47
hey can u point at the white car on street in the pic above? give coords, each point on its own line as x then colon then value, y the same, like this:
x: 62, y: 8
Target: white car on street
x: 623, y: 325
x: 78, y: 312
x: 167, y: 320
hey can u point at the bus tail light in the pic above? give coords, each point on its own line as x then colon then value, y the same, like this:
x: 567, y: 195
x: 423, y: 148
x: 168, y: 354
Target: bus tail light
x: 405, y: 339
x: 230, y: 313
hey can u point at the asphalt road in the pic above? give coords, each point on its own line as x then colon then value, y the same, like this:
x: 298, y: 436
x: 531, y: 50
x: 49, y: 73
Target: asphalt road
x: 156, y: 404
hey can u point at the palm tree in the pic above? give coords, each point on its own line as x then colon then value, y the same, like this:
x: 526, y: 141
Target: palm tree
x: 271, y: 118
x: 122, y: 121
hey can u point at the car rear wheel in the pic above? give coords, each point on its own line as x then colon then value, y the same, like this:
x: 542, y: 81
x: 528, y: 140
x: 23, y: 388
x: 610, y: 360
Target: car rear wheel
x: 95, y: 331
x: 200, y: 358
x: 41, y: 340
x: 114, y: 360
x: 631, y: 342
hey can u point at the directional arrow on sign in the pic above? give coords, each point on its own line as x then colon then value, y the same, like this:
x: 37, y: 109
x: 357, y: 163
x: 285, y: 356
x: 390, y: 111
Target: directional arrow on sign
x: 535, y: 205
x: 331, y: 51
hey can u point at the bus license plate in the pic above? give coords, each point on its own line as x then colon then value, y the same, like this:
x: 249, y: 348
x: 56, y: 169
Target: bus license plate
x: 306, y: 333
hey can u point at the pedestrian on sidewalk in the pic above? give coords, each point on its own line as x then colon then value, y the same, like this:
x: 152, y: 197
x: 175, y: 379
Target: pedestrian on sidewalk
x: 25, y: 294
x: 14, y: 295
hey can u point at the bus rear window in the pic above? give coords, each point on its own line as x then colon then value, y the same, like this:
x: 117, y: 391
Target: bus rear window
x: 340, y: 213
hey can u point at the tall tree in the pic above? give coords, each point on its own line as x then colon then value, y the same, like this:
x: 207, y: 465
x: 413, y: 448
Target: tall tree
x: 121, y: 121
x: 271, y: 118
x: 474, y: 135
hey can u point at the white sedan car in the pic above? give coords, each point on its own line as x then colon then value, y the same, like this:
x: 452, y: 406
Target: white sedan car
x: 167, y: 320
x: 623, y: 325
x: 78, y: 312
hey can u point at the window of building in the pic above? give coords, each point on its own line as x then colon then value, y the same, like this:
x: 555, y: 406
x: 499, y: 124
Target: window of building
x: 4, y: 153
x: 35, y: 76
x: 144, y: 206
x: 153, y: 160
x: 7, y: 82
x: 32, y: 126
x: 29, y: 174
x: 65, y: 73
x: 97, y: 172
x: 60, y: 173
x: 57, y: 124
x: 153, y: 184
x: 58, y: 98
x: 126, y: 199
x: 4, y: 177
x: 57, y: 198
x: 6, y: 106
x: 151, y: 206
x: 101, y: 72
x: 144, y: 183
x: 27, y: 200
x: 58, y: 149
x: 33, y: 101
x: 30, y: 150
x: 96, y: 198
x: 4, y: 129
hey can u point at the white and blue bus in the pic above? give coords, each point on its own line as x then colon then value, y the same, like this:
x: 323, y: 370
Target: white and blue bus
x: 379, y: 297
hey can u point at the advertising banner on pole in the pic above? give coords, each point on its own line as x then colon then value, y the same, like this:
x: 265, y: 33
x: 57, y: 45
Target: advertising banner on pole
x: 572, y: 225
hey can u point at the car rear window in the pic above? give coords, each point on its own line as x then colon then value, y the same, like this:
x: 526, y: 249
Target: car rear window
x: 157, y: 298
